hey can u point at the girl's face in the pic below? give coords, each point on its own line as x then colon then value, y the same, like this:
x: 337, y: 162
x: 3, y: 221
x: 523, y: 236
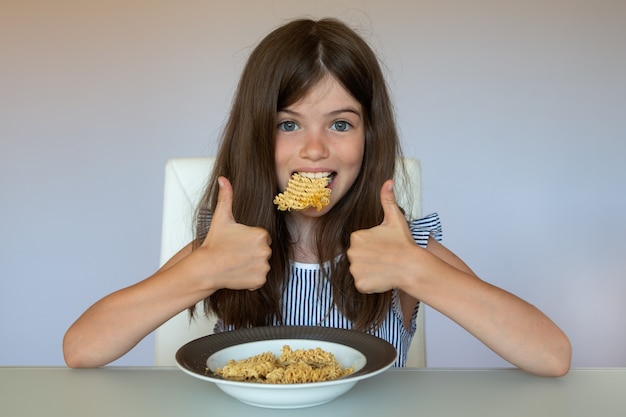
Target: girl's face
x: 322, y: 132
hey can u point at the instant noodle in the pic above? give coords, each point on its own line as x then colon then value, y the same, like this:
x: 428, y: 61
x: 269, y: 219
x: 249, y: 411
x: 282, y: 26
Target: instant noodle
x: 291, y: 367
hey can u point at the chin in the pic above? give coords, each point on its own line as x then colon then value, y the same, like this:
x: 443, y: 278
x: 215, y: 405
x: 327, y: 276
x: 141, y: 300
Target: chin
x: 312, y: 211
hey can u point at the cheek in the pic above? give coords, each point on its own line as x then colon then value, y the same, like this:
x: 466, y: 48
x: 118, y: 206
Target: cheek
x: 356, y: 159
x: 282, y: 177
x: 352, y: 167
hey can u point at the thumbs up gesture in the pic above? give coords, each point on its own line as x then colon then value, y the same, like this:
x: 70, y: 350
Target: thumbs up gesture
x: 378, y: 256
x: 235, y: 254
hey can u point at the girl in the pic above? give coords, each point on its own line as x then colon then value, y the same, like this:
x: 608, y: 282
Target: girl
x: 312, y: 100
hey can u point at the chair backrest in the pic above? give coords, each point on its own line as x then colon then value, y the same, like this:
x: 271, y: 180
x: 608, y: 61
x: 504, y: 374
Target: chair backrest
x: 185, y: 180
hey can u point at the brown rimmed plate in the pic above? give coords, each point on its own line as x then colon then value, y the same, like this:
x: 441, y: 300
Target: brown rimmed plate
x: 369, y: 355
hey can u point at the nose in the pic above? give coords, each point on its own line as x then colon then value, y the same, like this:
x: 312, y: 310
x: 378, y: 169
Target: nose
x: 314, y: 147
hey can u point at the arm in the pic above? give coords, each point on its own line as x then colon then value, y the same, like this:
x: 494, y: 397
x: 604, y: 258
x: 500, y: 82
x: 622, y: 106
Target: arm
x: 386, y: 257
x: 511, y: 327
x: 115, y: 324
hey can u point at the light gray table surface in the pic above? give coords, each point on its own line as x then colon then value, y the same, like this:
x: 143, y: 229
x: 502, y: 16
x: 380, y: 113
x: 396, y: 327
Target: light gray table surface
x: 159, y: 391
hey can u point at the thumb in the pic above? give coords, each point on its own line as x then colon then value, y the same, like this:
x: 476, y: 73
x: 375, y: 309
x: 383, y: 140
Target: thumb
x: 391, y: 210
x: 224, y: 207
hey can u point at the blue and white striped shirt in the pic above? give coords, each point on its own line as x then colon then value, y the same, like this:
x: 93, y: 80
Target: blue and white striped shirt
x: 307, y: 300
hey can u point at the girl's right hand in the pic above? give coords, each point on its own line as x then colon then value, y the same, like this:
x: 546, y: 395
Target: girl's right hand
x: 232, y: 256
x: 239, y: 254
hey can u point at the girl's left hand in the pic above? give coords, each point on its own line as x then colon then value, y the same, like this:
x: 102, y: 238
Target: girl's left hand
x: 378, y: 256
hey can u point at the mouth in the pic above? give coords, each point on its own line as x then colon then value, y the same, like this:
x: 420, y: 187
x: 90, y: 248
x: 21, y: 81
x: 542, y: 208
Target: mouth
x: 323, y: 174
x: 306, y: 189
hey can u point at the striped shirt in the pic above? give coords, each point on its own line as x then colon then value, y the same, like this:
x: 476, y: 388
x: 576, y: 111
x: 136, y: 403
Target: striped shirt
x: 307, y: 299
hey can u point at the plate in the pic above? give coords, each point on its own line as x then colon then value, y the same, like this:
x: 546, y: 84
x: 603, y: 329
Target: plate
x: 369, y: 355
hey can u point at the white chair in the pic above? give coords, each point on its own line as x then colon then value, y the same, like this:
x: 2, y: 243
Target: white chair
x: 185, y: 179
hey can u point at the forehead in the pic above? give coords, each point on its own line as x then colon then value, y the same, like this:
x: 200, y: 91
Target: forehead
x: 329, y: 94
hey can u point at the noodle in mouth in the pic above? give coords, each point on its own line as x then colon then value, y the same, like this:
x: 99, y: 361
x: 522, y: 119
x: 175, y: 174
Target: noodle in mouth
x: 303, y: 192
x: 291, y: 367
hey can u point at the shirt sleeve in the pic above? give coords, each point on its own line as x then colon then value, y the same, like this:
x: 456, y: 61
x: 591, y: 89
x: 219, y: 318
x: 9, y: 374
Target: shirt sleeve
x: 422, y: 229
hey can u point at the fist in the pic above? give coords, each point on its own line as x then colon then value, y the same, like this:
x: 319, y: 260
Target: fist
x: 238, y: 254
x: 378, y: 255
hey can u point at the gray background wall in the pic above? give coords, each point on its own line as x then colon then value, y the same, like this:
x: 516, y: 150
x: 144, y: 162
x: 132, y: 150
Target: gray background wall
x: 516, y: 109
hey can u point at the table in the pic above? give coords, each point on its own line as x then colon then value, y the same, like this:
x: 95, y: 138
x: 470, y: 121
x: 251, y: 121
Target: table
x: 164, y: 391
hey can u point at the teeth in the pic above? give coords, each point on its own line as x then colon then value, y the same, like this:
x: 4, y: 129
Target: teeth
x: 315, y: 174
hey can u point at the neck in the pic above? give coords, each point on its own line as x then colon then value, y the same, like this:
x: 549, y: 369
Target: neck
x: 301, y: 228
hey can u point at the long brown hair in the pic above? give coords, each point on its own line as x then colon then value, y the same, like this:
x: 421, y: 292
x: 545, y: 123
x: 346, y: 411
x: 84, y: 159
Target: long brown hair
x: 280, y: 71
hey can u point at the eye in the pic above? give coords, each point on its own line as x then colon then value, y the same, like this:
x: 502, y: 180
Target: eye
x: 288, y: 126
x: 340, y: 126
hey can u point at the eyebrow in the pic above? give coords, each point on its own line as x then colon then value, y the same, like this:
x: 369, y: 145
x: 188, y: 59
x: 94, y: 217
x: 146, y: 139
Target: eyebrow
x: 332, y: 113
